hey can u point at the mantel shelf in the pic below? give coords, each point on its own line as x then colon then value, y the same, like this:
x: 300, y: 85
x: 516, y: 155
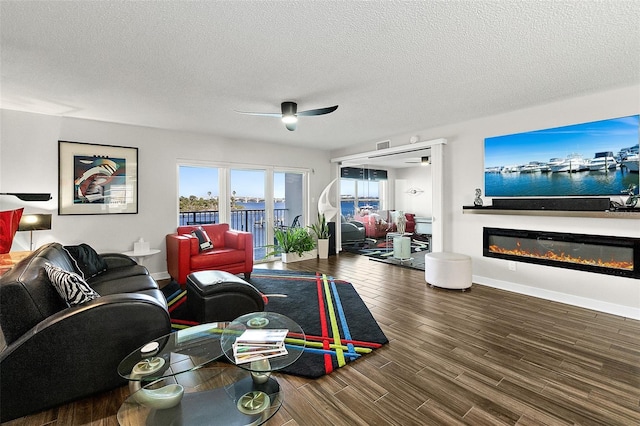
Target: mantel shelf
x: 634, y: 214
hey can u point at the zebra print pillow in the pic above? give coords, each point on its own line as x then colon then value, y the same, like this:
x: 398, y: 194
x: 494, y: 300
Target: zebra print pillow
x: 73, y: 289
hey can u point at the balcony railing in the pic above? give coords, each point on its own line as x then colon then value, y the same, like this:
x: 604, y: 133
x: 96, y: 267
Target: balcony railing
x: 243, y: 220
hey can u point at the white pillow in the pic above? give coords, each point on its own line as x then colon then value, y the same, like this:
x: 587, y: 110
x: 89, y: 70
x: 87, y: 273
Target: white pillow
x: 70, y: 286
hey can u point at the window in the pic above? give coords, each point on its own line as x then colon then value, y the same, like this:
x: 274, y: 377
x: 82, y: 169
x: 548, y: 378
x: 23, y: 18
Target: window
x: 362, y: 188
x: 247, y: 198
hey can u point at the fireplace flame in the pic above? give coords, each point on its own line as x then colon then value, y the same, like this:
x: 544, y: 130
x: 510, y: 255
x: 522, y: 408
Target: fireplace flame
x: 562, y: 257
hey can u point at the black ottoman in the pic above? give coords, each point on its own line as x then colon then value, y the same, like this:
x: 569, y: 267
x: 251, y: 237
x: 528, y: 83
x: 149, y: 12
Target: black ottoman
x: 220, y: 296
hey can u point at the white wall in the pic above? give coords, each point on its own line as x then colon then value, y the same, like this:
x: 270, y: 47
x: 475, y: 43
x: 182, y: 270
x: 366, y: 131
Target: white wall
x: 414, y: 178
x: 464, y: 171
x: 29, y: 163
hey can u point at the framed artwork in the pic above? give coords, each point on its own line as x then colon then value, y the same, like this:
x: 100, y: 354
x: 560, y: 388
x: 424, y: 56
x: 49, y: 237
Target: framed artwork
x: 598, y: 158
x: 97, y: 179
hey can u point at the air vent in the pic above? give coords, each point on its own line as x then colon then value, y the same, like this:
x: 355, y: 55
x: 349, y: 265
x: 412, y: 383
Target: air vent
x: 382, y: 145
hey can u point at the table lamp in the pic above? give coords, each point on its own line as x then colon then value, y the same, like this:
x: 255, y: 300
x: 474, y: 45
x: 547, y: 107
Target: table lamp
x: 34, y: 222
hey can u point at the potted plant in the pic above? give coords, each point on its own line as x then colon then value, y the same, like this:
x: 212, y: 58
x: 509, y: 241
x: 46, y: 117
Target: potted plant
x: 321, y: 231
x: 293, y: 244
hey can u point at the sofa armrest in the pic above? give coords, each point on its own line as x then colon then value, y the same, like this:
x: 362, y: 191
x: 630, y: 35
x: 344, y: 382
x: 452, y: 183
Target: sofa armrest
x: 235, y: 239
x: 241, y: 240
x: 179, y: 256
x: 357, y: 224
x: 80, y: 349
x: 117, y: 260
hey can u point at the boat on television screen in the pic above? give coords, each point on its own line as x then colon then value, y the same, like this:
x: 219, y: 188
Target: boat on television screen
x: 632, y: 162
x: 603, y: 161
x: 573, y: 163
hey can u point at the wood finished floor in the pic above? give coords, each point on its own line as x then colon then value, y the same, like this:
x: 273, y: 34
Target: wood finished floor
x: 481, y: 357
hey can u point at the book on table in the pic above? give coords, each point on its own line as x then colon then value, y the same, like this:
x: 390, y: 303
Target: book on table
x: 258, y: 344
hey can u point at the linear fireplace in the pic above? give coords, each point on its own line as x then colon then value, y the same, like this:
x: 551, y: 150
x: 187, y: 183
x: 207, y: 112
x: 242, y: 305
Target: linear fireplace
x: 594, y: 253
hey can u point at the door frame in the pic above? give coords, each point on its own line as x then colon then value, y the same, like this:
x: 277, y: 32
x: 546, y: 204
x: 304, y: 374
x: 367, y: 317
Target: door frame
x: 437, y: 181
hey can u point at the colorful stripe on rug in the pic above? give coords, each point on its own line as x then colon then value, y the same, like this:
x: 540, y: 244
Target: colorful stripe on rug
x: 338, y: 326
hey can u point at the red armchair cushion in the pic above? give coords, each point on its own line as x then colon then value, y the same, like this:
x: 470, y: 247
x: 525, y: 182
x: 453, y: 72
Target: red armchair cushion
x: 223, y: 256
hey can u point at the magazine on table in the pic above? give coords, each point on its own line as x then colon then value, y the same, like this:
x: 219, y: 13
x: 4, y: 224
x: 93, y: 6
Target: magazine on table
x: 242, y: 358
x: 255, y: 336
x: 255, y: 345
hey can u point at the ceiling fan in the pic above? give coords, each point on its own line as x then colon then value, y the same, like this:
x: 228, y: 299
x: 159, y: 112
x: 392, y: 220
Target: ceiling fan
x: 290, y: 114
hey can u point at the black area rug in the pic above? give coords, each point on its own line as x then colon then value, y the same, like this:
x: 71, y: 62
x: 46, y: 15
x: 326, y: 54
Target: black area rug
x: 338, y: 325
x: 415, y: 262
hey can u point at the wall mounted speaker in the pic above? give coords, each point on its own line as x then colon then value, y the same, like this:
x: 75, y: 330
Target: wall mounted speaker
x: 567, y: 204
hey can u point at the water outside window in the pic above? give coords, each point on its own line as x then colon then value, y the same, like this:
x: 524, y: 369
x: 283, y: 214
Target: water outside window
x: 358, y: 194
x: 257, y: 200
x: 199, y: 195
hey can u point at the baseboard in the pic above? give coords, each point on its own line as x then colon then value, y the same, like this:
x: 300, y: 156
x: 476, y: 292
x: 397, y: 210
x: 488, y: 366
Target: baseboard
x: 582, y: 302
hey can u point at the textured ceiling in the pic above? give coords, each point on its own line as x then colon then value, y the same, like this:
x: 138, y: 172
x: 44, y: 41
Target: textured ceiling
x: 393, y: 67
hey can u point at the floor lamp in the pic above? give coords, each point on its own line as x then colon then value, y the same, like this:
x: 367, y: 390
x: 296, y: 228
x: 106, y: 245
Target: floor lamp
x: 34, y: 222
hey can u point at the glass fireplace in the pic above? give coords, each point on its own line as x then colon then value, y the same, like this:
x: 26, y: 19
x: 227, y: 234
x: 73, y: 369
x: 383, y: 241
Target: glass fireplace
x: 594, y: 253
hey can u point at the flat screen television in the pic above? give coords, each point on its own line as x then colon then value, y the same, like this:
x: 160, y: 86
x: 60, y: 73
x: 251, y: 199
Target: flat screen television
x: 598, y: 158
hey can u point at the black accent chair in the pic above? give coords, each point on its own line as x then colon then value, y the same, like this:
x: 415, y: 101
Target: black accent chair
x: 353, y: 232
x: 51, y: 353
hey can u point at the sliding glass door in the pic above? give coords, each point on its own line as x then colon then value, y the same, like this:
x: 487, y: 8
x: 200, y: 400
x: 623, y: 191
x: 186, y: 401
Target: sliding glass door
x: 289, y: 198
x: 251, y: 199
x: 264, y: 199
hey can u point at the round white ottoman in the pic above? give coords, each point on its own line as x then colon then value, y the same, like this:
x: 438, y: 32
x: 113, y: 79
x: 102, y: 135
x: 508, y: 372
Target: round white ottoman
x: 447, y: 270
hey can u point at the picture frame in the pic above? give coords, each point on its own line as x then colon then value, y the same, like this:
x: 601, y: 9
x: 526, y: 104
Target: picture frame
x: 577, y: 160
x: 97, y: 179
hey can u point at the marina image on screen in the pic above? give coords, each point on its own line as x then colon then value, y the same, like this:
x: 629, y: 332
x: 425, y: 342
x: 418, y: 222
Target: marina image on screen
x: 598, y: 158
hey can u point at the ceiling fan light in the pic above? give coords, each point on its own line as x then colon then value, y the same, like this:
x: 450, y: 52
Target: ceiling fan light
x: 289, y: 119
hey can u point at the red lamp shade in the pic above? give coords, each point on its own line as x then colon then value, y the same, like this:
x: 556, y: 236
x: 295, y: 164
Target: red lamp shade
x: 9, y: 222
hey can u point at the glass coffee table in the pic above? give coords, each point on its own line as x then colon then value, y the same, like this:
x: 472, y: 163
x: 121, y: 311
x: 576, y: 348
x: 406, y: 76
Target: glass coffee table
x: 175, y: 353
x: 261, y: 369
x: 216, y: 394
x: 196, y: 385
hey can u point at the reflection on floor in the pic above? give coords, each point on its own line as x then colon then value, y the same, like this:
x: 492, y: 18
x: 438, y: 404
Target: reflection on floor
x: 382, y: 251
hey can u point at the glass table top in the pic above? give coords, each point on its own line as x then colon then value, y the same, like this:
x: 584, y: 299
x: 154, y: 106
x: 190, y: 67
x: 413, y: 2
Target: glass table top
x: 294, y: 341
x: 217, y: 394
x: 175, y: 353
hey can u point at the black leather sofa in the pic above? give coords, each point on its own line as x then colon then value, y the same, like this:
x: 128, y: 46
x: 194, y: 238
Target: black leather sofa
x: 51, y: 353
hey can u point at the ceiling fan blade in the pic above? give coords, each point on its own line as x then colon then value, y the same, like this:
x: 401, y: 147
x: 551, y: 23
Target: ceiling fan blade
x: 264, y: 114
x: 319, y: 111
x: 290, y: 115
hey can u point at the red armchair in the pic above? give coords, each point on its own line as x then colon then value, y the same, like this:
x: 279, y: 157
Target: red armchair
x: 410, y: 225
x: 232, y: 252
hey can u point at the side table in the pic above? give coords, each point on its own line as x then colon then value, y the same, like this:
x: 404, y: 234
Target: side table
x: 399, y: 244
x: 389, y: 240
x: 139, y: 256
x: 402, y: 248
